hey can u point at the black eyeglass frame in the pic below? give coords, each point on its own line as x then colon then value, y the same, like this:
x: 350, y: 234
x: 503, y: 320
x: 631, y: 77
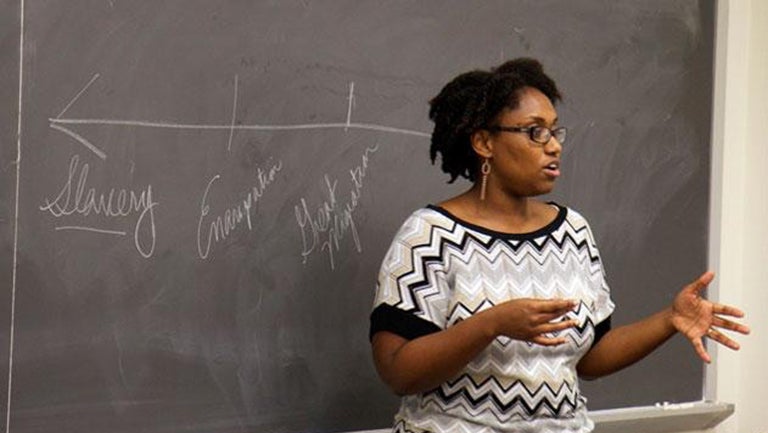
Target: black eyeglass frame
x: 560, y: 130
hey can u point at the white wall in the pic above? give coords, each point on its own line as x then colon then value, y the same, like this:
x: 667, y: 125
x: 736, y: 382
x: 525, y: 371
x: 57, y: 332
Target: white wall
x: 739, y: 249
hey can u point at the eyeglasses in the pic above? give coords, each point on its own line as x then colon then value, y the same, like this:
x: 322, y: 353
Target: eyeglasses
x: 539, y: 134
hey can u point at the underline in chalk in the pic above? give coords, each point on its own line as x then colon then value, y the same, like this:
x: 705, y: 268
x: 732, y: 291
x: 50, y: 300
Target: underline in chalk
x: 92, y: 229
x: 295, y: 127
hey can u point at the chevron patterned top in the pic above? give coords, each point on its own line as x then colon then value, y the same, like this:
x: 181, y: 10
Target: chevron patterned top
x: 440, y: 270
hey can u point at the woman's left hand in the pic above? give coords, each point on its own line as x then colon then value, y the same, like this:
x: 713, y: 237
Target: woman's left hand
x: 696, y: 317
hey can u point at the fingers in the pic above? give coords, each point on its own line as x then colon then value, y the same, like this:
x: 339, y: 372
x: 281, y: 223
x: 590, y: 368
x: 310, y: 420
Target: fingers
x: 707, y: 277
x: 727, y: 310
x: 701, y: 351
x: 549, y: 310
x: 551, y: 327
x: 535, y: 320
x: 721, y: 338
x: 731, y: 326
x: 555, y: 322
x: 545, y: 319
x: 702, y: 282
x: 556, y: 307
x: 548, y: 341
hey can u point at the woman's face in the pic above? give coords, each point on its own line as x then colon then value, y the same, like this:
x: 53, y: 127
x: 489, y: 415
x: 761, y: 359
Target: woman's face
x: 520, y: 166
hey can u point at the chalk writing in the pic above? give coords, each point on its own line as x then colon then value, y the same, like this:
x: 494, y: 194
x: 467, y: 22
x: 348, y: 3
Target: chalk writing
x: 75, y: 198
x: 220, y: 227
x: 332, y: 220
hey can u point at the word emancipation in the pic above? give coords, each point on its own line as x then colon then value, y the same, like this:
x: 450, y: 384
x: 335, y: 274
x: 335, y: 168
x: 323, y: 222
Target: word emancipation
x: 212, y: 230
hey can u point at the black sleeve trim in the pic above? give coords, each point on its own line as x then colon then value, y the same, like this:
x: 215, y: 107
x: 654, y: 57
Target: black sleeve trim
x: 601, y: 329
x: 388, y: 318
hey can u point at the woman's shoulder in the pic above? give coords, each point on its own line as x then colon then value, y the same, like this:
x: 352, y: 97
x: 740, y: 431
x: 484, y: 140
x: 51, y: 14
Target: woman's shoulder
x: 419, y: 227
x: 424, y: 219
x: 576, y: 221
x: 571, y: 214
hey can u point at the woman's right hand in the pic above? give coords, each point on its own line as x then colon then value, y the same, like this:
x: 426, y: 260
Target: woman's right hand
x: 533, y: 319
x: 421, y: 364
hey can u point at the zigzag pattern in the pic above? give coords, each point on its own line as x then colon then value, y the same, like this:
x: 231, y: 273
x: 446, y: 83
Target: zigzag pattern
x: 444, y: 271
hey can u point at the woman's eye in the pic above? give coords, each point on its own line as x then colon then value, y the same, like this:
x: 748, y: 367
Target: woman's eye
x: 540, y: 132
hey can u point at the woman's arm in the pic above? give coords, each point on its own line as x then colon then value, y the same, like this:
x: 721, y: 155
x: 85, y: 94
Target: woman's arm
x: 625, y: 345
x: 421, y: 364
x: 690, y: 314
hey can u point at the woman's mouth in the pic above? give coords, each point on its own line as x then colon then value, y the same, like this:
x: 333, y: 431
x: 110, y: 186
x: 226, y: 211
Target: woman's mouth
x: 552, y: 169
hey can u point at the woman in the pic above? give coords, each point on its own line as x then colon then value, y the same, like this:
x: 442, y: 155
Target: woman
x: 490, y: 305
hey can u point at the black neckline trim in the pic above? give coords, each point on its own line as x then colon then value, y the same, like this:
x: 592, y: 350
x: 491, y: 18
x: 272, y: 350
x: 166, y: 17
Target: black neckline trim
x: 562, y: 212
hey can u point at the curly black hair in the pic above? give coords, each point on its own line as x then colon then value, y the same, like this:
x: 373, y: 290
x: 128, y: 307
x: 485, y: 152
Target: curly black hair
x: 471, y: 102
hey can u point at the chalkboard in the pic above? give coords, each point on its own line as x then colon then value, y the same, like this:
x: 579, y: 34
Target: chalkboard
x: 206, y: 190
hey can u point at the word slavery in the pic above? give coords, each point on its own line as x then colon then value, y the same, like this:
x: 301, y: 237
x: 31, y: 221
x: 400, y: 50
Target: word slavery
x: 75, y: 198
x: 325, y: 228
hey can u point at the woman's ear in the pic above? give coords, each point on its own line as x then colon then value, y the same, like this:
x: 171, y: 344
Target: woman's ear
x: 482, y: 143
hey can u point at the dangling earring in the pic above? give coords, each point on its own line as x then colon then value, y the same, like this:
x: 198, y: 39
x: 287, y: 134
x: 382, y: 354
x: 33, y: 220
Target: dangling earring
x: 485, y: 170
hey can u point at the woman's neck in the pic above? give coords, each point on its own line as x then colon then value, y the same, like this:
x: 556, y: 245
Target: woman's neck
x: 499, y: 211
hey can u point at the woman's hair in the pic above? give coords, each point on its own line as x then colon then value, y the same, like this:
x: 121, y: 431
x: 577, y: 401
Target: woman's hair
x: 472, y: 101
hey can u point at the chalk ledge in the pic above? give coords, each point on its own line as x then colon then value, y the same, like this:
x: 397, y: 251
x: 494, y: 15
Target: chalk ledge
x: 660, y: 418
